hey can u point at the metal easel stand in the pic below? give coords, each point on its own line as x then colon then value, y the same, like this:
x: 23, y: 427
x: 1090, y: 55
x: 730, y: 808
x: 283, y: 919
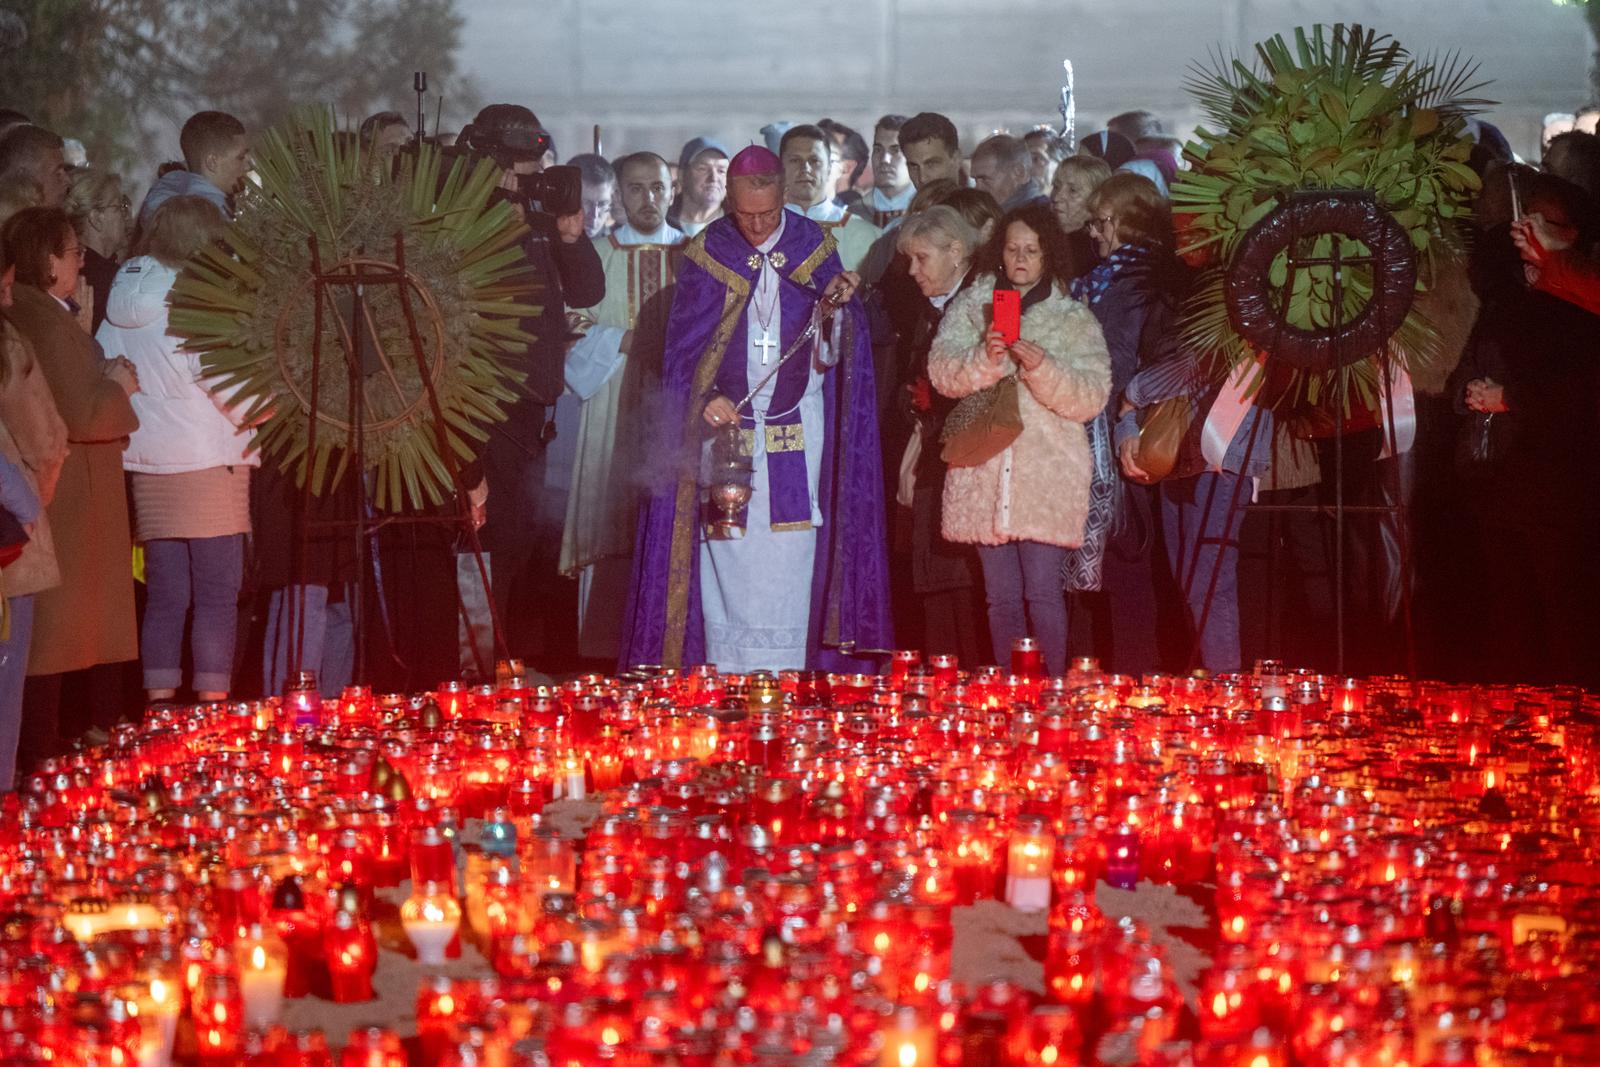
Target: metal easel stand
x: 355, y: 275
x: 1396, y: 511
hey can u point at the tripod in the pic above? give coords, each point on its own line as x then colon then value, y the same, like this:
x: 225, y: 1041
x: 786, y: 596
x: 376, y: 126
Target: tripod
x: 1337, y: 263
x: 365, y: 357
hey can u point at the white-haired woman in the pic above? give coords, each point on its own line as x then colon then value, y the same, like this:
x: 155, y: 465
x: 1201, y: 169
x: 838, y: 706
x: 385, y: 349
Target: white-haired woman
x: 939, y: 244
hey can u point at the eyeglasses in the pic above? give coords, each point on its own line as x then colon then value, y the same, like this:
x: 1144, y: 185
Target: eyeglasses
x: 1100, y: 223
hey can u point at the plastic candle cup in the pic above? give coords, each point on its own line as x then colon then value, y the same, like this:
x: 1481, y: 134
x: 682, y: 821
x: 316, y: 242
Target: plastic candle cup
x: 302, y: 701
x: 263, y: 966
x: 431, y: 917
x: 908, y: 1040
x: 1027, y: 659
x: 349, y: 956
x: 159, y: 1003
x: 1031, y: 854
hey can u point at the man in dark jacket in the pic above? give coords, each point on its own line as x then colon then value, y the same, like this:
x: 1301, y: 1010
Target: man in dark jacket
x: 569, y: 275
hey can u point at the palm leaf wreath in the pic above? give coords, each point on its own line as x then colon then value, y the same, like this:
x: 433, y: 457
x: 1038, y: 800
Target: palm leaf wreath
x: 249, y: 308
x: 1342, y: 107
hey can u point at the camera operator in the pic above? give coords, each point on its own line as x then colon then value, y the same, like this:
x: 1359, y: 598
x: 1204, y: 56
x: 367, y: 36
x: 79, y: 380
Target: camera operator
x: 569, y: 275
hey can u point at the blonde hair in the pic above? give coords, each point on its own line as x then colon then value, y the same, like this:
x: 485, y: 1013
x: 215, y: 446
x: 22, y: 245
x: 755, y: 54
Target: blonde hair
x: 18, y: 191
x: 181, y: 227
x: 940, y: 225
x: 1140, y: 211
x: 1096, y: 168
x: 92, y: 190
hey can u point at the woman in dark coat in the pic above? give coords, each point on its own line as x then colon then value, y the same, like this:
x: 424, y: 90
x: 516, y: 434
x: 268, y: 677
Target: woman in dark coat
x: 103, y: 216
x: 1526, y: 388
x: 939, y: 245
x: 1134, y: 291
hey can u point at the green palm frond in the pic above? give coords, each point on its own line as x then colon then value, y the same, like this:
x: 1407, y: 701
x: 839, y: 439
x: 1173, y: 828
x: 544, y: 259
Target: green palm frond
x: 1330, y: 107
x: 248, y: 308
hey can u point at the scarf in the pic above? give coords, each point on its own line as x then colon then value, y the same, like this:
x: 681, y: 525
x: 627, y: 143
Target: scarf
x: 1083, y: 569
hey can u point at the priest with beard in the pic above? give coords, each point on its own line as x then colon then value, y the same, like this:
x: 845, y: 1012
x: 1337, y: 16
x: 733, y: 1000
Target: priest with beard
x: 640, y: 258
x: 803, y: 580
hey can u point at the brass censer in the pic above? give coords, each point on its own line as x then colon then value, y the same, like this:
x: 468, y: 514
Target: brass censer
x: 732, y: 480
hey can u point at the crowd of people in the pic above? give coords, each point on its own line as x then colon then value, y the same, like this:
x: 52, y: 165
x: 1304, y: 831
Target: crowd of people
x: 953, y: 463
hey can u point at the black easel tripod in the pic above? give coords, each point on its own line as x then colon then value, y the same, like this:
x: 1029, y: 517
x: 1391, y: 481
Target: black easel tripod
x: 355, y: 275
x: 1333, y: 351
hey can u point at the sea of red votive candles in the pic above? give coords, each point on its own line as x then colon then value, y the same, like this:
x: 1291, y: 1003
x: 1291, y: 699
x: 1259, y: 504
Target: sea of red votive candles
x: 1400, y: 873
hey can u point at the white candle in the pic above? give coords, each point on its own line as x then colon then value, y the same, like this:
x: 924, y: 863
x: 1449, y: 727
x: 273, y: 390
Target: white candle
x: 1028, y: 892
x: 261, y: 983
x: 158, y: 1024
x: 83, y: 925
x: 430, y: 918
x: 431, y: 935
x: 572, y: 781
x: 1028, y: 868
x: 133, y: 916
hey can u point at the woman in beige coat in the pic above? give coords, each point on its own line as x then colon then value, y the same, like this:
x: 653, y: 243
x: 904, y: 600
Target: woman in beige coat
x: 33, y: 439
x: 87, y: 619
x: 1025, y: 507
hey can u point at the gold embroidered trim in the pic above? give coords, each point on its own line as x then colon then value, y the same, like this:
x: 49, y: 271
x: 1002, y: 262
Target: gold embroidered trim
x: 649, y: 246
x: 786, y: 438
x: 791, y: 527
x: 696, y: 251
x: 650, y: 268
x: 687, y: 505
x: 779, y: 439
x: 804, y: 271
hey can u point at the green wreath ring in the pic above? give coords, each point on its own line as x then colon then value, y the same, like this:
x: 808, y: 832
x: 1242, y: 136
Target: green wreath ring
x: 248, y: 307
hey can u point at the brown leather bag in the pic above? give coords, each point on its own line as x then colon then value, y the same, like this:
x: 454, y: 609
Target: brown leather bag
x: 982, y: 426
x: 1162, y: 428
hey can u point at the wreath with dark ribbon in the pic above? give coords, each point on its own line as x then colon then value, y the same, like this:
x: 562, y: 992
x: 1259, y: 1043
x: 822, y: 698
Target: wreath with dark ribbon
x: 1256, y: 305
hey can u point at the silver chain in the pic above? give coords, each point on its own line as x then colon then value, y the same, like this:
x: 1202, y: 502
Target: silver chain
x: 805, y: 335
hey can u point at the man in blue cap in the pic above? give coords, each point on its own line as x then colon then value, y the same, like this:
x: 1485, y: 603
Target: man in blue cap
x: 702, y: 183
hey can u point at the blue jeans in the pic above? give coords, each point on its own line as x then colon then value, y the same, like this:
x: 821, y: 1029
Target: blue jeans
x: 328, y: 640
x: 1022, y: 581
x: 13, y: 671
x: 202, y: 572
x: 1201, y: 517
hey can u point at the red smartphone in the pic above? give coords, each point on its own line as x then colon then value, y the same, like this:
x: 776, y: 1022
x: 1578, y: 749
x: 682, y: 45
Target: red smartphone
x: 1008, y: 314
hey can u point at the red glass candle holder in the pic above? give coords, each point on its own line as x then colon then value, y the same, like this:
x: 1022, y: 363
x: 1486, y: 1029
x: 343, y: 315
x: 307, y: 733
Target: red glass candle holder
x: 351, y: 955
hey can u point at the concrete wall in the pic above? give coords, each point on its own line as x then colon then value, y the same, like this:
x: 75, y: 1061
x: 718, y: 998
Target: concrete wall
x: 654, y: 72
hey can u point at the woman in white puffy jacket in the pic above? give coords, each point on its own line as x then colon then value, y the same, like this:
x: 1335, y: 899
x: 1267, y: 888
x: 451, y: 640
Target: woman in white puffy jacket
x: 190, y: 460
x: 1025, y: 507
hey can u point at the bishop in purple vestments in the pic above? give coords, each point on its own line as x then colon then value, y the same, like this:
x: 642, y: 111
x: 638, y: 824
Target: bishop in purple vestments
x: 807, y: 585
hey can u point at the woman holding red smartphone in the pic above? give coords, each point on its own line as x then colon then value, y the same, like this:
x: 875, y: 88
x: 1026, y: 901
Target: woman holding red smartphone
x: 1025, y: 505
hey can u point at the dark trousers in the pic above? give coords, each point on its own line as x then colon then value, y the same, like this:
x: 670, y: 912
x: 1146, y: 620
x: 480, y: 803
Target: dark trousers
x: 952, y: 623
x: 1201, y: 518
x: 58, y: 708
x: 413, y: 642
x: 1534, y: 627
x: 521, y: 574
x: 1286, y: 582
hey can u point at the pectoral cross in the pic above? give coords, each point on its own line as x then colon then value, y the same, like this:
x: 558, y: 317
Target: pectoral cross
x: 766, y: 344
